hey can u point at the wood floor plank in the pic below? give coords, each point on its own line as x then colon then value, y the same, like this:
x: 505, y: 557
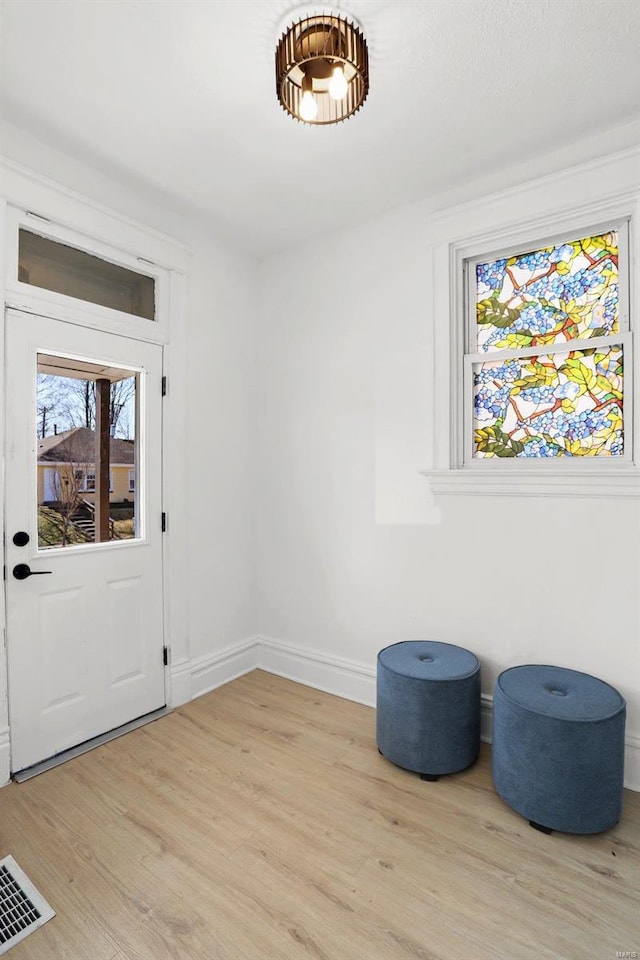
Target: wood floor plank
x: 260, y: 823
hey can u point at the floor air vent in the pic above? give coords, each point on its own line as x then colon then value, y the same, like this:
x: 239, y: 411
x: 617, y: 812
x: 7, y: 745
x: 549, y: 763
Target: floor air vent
x: 22, y: 909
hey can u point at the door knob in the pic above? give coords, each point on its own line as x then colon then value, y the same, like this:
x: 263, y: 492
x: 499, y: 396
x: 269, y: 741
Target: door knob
x: 22, y: 570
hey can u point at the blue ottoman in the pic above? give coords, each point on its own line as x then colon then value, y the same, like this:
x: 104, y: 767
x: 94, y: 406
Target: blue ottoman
x: 558, y: 748
x: 428, y: 707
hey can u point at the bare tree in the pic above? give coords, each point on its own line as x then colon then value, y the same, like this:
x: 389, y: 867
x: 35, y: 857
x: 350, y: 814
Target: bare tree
x: 67, y: 486
x: 121, y: 408
x: 48, y: 402
x: 73, y: 402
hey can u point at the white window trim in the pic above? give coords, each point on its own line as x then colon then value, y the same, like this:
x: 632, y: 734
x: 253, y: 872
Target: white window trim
x: 92, y: 473
x: 49, y: 216
x: 24, y: 296
x: 132, y: 480
x: 564, y: 477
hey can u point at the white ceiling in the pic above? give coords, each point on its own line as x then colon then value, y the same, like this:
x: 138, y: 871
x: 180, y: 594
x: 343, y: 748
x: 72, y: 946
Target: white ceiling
x: 179, y: 95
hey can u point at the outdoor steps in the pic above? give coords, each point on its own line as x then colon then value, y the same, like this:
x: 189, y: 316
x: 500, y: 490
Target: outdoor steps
x: 83, y: 519
x: 87, y: 527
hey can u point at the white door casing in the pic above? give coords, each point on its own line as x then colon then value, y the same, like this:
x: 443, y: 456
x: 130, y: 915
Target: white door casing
x: 84, y: 643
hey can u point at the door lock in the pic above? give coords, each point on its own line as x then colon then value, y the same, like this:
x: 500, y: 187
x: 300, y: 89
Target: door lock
x: 22, y: 570
x: 21, y: 539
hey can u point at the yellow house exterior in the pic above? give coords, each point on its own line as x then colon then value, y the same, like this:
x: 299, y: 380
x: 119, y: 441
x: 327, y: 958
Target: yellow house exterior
x: 71, y: 454
x: 121, y: 483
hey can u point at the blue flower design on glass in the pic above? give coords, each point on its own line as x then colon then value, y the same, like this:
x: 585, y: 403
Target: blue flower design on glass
x: 565, y: 252
x: 551, y: 295
x: 567, y: 403
x: 491, y: 275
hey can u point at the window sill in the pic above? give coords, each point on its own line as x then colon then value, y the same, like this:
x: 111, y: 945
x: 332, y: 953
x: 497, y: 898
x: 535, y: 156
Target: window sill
x: 624, y: 482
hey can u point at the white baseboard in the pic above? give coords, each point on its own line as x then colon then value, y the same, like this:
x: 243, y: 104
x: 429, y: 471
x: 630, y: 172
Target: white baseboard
x: 632, y: 762
x: 343, y: 678
x: 180, y: 687
x: 207, y: 673
x: 193, y: 678
x: 486, y: 717
x: 5, y: 757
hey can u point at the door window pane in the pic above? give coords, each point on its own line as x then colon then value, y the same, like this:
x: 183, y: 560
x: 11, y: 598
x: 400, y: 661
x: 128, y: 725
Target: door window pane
x: 55, y: 266
x: 68, y: 462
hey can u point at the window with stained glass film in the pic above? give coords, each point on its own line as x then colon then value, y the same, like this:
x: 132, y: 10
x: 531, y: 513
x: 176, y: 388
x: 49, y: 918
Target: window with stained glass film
x: 551, y: 295
x: 546, y: 338
x: 561, y: 404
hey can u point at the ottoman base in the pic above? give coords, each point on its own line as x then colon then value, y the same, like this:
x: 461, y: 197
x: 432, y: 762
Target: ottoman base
x: 423, y: 776
x: 538, y: 826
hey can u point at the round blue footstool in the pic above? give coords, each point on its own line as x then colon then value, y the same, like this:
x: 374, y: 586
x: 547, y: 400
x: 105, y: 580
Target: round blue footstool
x: 428, y: 707
x: 558, y: 748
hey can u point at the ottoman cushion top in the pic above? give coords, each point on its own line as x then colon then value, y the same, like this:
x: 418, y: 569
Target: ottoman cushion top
x: 429, y: 660
x: 560, y: 693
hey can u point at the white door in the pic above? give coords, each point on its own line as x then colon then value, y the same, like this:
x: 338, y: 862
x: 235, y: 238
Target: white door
x: 84, y: 639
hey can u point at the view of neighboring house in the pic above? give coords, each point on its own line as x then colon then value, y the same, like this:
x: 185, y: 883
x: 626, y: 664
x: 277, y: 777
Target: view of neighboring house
x: 75, y: 449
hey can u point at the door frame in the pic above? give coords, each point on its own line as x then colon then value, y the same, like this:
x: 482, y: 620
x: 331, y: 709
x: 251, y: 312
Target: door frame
x: 62, y: 213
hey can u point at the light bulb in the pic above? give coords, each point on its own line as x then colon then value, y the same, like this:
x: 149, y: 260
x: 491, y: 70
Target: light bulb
x: 308, y: 106
x: 338, y: 84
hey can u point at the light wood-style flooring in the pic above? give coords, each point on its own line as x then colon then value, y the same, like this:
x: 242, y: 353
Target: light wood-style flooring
x: 260, y: 823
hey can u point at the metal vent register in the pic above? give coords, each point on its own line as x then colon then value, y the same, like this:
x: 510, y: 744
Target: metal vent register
x: 22, y: 908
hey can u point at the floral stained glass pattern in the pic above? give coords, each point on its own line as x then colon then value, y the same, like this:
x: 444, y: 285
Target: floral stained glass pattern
x: 552, y: 295
x: 561, y: 404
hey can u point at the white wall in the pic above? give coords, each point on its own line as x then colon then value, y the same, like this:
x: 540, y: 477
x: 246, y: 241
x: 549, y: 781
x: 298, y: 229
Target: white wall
x: 353, y: 551
x: 218, y: 501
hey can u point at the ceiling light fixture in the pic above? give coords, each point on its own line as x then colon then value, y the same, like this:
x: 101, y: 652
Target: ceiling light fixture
x: 322, y: 69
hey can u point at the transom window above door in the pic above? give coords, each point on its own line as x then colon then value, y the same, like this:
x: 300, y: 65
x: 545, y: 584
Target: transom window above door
x: 56, y: 266
x: 61, y: 268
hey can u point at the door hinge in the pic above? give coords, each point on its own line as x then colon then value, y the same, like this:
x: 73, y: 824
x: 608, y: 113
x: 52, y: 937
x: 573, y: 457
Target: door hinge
x: 165, y: 655
x: 164, y: 386
x: 163, y: 522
